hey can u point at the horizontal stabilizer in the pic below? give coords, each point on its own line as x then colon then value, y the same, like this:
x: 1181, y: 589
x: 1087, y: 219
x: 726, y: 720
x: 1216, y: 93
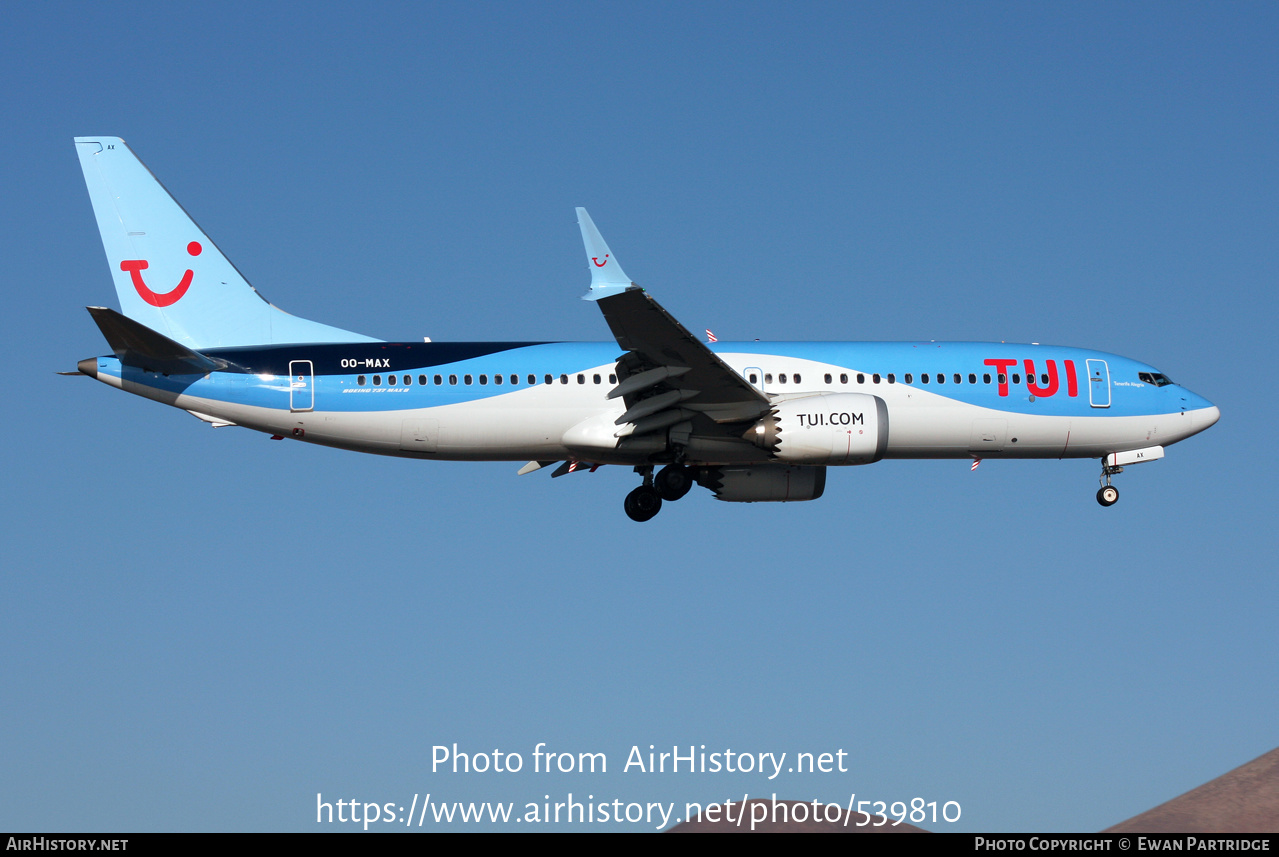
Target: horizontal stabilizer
x: 141, y: 347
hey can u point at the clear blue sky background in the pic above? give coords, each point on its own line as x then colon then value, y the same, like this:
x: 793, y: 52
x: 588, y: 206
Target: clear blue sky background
x: 202, y: 629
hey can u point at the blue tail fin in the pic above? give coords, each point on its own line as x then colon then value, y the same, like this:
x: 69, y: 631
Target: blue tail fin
x: 168, y: 274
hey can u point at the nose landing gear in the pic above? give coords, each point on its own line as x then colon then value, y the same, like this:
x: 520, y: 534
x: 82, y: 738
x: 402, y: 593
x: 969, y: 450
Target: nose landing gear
x: 1108, y: 495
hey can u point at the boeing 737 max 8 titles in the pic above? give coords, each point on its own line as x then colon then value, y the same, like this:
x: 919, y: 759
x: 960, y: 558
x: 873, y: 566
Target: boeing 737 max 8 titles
x: 751, y: 421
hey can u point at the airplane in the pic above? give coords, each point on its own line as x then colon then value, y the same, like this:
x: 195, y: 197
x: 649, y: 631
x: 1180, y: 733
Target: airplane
x: 750, y: 421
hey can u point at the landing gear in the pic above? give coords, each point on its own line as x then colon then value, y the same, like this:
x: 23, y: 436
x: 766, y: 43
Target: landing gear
x: 643, y: 503
x: 673, y: 481
x: 1108, y: 495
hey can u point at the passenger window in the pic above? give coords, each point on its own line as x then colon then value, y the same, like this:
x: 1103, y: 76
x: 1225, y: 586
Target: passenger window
x: 612, y: 379
x: 959, y: 379
x: 550, y: 379
x: 768, y: 377
x: 532, y: 380
x: 497, y: 380
x: 986, y: 378
x: 596, y: 378
x: 941, y: 379
x: 466, y: 379
x: 753, y: 378
x: 797, y: 381
x: 828, y: 378
x: 390, y: 380
x: 1016, y: 378
x: 408, y: 380
x: 421, y: 379
x: 1044, y: 379
x: 453, y: 379
x: 360, y: 379
x: 563, y: 379
x: 972, y: 378
x: 909, y: 378
x: 843, y: 378
x: 892, y: 379
x: 515, y: 379
x: 581, y: 379
x: 861, y: 379
x: 1003, y: 379
x: 875, y: 377
x: 377, y: 380
x: 781, y: 379
x: 484, y: 379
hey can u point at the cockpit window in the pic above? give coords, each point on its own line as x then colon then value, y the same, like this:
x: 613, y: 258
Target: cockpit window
x: 1157, y: 378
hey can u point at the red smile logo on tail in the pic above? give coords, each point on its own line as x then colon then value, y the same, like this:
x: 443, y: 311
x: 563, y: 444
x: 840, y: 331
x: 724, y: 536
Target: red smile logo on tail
x: 135, y: 267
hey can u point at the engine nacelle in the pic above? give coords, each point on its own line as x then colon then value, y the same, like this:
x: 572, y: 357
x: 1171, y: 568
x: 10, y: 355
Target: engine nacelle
x: 764, y: 483
x: 826, y: 428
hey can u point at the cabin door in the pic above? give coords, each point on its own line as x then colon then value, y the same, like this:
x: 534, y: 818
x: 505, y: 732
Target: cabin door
x: 301, y: 386
x: 1098, y: 383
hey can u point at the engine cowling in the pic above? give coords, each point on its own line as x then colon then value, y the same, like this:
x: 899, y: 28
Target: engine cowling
x: 826, y: 428
x: 764, y: 483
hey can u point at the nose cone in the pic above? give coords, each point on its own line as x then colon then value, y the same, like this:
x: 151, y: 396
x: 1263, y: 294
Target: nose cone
x: 1206, y: 417
x: 1203, y: 413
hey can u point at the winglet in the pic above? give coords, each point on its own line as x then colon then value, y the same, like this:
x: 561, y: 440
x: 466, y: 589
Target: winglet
x: 607, y: 276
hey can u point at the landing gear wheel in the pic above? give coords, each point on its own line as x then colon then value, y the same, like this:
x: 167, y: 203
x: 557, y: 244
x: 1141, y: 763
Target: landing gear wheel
x: 642, y: 503
x: 1108, y: 495
x: 673, y: 482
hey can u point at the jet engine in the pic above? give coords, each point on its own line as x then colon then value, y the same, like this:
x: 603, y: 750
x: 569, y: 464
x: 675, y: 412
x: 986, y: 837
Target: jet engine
x: 764, y: 483
x: 827, y: 428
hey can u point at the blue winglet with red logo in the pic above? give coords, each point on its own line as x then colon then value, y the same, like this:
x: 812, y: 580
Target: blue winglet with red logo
x: 168, y: 274
x: 607, y: 276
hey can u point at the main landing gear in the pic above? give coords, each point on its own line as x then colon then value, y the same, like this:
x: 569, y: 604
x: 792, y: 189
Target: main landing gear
x: 1108, y: 495
x: 671, y: 483
x: 642, y: 503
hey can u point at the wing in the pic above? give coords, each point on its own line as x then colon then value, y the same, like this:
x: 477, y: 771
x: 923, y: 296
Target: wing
x: 668, y: 379
x: 667, y: 376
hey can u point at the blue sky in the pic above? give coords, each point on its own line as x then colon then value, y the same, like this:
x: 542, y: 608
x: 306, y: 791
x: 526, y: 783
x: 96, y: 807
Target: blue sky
x: 203, y: 629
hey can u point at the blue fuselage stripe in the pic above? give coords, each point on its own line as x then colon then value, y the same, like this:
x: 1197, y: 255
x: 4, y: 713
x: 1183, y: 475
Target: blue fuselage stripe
x: 263, y: 375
